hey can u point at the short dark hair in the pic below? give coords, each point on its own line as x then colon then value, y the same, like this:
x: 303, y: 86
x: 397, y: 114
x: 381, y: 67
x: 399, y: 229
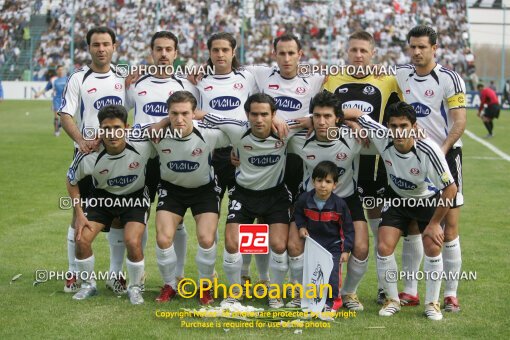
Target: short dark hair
x: 287, y: 37
x: 363, y: 35
x: 182, y: 97
x: 423, y: 31
x: 111, y: 112
x: 325, y: 168
x: 480, y: 86
x: 402, y: 109
x: 328, y: 99
x: 223, y: 36
x: 263, y: 98
x: 100, y: 30
x: 164, y: 34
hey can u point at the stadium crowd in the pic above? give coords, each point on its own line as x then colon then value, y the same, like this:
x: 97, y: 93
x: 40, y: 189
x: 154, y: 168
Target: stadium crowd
x: 134, y: 22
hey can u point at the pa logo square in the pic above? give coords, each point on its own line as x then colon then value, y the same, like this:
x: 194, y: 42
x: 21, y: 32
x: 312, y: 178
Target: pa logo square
x: 254, y: 238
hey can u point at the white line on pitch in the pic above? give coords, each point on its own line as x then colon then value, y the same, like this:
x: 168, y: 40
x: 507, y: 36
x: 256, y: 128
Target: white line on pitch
x: 484, y: 158
x: 488, y: 145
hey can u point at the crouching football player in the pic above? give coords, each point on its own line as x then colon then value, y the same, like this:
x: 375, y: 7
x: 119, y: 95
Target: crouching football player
x: 421, y: 181
x: 118, y: 172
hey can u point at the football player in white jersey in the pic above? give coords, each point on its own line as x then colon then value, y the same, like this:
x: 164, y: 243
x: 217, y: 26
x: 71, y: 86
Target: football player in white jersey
x: 118, y: 169
x: 259, y: 191
x: 87, y: 90
x: 148, y: 95
x: 420, y: 180
x: 293, y: 95
x: 438, y: 96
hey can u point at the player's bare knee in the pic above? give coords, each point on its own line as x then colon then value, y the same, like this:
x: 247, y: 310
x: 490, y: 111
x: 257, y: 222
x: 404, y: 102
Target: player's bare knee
x: 295, y: 247
x: 384, y: 249
x: 360, y: 251
x: 279, y: 247
x: 206, y: 241
x: 163, y: 241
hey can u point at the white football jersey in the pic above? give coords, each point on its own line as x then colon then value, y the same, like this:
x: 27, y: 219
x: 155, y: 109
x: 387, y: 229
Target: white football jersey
x: 343, y: 152
x: 420, y: 173
x: 87, y: 92
x: 292, y: 96
x: 226, y: 93
x: 186, y: 161
x: 432, y: 96
x: 119, y: 174
x: 262, y: 160
x: 149, y: 96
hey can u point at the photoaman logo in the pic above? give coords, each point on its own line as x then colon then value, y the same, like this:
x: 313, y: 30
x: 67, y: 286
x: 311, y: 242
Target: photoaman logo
x: 254, y: 238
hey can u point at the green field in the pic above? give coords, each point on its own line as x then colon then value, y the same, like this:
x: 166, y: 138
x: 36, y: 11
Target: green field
x: 33, y: 236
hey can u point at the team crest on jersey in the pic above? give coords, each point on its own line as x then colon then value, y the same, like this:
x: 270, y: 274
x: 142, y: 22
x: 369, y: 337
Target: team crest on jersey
x: 274, y: 86
x: 208, y: 88
x: 342, y: 90
x: 142, y: 93
x: 103, y: 172
x: 388, y: 162
x: 118, y: 87
x: 408, y: 91
x: 414, y: 171
x: 247, y: 147
x: 166, y: 151
x: 92, y: 90
x: 196, y: 152
x: 369, y: 90
x: 300, y: 90
x: 429, y: 93
x: 341, y: 156
x: 310, y: 157
x: 278, y: 145
x: 238, y: 86
x: 134, y: 165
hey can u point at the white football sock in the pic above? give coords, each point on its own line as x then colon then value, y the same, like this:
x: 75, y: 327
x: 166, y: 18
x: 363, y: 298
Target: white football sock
x: 296, y: 268
x: 279, y: 265
x: 117, y: 249
x: 71, y: 250
x: 386, y: 267
x: 166, y: 263
x: 412, y: 254
x: 205, y: 260
x: 181, y: 248
x: 232, y: 264
x: 135, y: 272
x: 434, y: 266
x: 262, y: 262
x: 374, y: 226
x: 86, y: 268
x: 452, y: 261
x: 145, y: 236
x: 245, y: 271
x: 356, y: 269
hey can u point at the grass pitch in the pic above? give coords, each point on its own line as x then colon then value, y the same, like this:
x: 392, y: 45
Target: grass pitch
x: 33, y: 236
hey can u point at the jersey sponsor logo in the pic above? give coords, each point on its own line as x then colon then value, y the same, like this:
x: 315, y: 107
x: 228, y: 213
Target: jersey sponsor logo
x: 142, y: 93
x: 92, y: 90
x: 310, y: 157
x: 225, y: 103
x: 109, y: 100
x: 158, y: 109
x: 266, y: 160
x: 166, y: 151
x: 342, y: 90
x: 273, y: 86
x: 388, y: 162
x: 208, y: 88
x: 287, y: 103
x: 183, y: 166
x: 134, y: 165
x: 341, y: 171
x: 300, y: 90
x: 196, y: 152
x: 429, y: 93
x: 279, y: 144
x: 118, y: 87
x: 103, y: 172
x: 358, y: 104
x: 414, y: 171
x: 421, y: 110
x: 122, y: 181
x: 238, y: 86
x: 341, y: 156
x: 402, y: 183
x: 369, y: 90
